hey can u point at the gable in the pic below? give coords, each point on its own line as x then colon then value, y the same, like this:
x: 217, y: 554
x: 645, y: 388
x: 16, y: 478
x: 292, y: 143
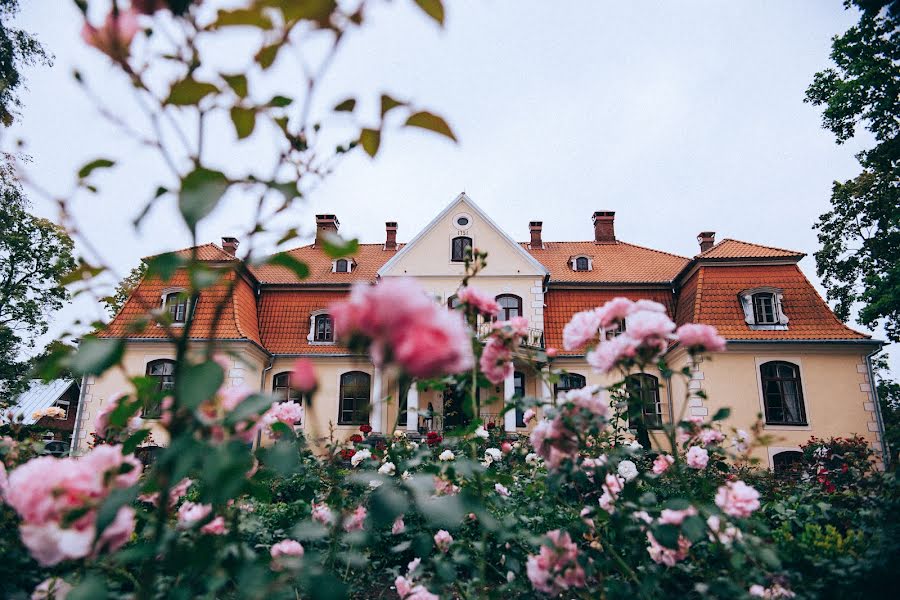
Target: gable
x: 429, y: 253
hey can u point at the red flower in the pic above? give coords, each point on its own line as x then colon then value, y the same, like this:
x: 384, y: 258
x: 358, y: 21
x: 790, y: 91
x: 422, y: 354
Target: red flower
x: 356, y: 438
x: 365, y: 428
x: 381, y: 446
x: 491, y: 425
x: 433, y: 438
x: 347, y: 453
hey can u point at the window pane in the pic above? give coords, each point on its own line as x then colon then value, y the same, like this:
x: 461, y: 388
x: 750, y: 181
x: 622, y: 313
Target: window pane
x: 459, y: 247
x: 782, y: 393
x: 341, y: 266
x: 354, y: 407
x: 162, y: 371
x: 581, y: 264
x: 510, y: 306
x: 324, y: 328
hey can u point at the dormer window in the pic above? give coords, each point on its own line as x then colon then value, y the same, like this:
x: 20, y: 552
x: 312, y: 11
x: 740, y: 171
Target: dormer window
x: 343, y: 265
x: 764, y: 308
x: 175, y: 303
x: 581, y: 263
x: 614, y: 330
x: 459, y: 247
x: 321, y: 328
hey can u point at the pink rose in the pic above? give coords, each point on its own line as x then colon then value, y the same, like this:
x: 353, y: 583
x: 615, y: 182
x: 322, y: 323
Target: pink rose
x: 700, y: 338
x: 303, y: 376
x: 737, y: 499
x: 289, y: 413
x: 496, y: 361
x: 697, y: 457
x: 615, y: 311
x: 501, y: 489
x: 399, y: 526
x: 555, y: 568
x: 650, y: 328
x: 529, y: 415
x: 676, y: 517
x: 291, y: 549
x: 662, y: 463
x: 357, y: 519
x: 443, y: 539
x: 583, y: 327
x: 667, y: 556
x: 482, y: 303
x: 322, y: 514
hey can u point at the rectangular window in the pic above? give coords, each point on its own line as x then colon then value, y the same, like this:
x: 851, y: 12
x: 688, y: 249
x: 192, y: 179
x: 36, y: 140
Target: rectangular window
x: 764, y: 309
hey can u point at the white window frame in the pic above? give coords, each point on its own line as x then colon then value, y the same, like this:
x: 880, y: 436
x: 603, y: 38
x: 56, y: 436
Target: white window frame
x: 187, y: 304
x: 758, y: 362
x: 311, y: 336
x: 781, y: 319
x: 351, y: 265
x: 573, y: 262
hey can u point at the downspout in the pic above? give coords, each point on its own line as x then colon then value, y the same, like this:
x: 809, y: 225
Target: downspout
x: 262, y: 387
x: 873, y: 394
x: 669, y: 398
x: 75, y: 432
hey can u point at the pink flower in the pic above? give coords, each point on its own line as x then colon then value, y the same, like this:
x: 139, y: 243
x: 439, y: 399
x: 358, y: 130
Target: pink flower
x: 443, y: 539
x: 291, y: 549
x: 697, y: 457
x: 529, y: 415
x: 555, y: 568
x: 667, y: 556
x: 53, y: 588
x: 303, y: 376
x: 662, y: 463
x: 443, y: 487
x: 290, y: 413
x: 483, y: 303
x: 438, y: 345
x: 506, y: 447
x: 610, y: 353
x: 357, y: 519
x: 711, y: 436
x: 191, y: 512
x: 700, y: 338
x: 322, y: 514
x: 496, y: 361
x: 650, y: 328
x: 676, y: 517
x: 399, y: 526
x: 101, y: 423
x: 726, y: 534
x: 501, y: 489
x: 176, y: 493
x: 648, y: 305
x: 583, y: 327
x: 49, y: 544
x: 516, y: 326
x: 588, y: 398
x: 737, y: 499
x: 114, y: 37
x: 551, y: 352
x: 116, y: 533
x: 615, y: 311
x: 215, y: 527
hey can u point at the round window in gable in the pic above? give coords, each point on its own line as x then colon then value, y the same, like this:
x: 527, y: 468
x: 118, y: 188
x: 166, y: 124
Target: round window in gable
x: 462, y: 221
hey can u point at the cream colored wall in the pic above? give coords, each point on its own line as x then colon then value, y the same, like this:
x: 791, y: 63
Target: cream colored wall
x: 835, y: 393
x: 246, y: 364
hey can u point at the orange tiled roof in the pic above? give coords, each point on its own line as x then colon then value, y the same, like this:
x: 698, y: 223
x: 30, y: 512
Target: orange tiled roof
x: 369, y: 259
x: 716, y: 303
x: 562, y: 304
x: 612, y: 263
x: 208, y: 251
x: 729, y: 248
x: 284, y: 319
x: 237, y: 321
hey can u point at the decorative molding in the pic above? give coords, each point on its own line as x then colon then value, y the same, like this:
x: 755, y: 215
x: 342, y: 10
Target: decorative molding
x: 746, y: 300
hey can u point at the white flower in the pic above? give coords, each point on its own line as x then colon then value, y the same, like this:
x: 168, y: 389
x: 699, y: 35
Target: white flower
x: 447, y: 455
x: 375, y: 484
x: 634, y: 445
x: 405, y: 475
x: 387, y: 468
x: 360, y: 456
x: 510, y: 576
x: 482, y: 433
x: 741, y: 441
x: 628, y: 470
x: 531, y: 458
x: 501, y: 489
x: 492, y: 454
x: 415, y: 445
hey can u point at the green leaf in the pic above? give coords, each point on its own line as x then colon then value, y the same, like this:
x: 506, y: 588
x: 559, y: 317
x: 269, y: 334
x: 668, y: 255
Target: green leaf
x: 370, y: 140
x: 164, y: 265
x: 722, y: 414
x: 100, y: 163
x: 388, y: 103
x: 667, y: 535
x: 694, y: 528
x: 90, y: 588
x: 431, y: 122
x: 280, y: 101
x: 255, y: 404
x: 201, y: 191
x: 188, y: 92
x: 95, y: 355
x: 288, y: 261
x: 110, y: 507
x: 266, y: 55
x: 244, y: 120
x: 197, y: 383
x: 243, y: 17
x: 346, y: 106
x: 238, y: 83
x: 131, y: 444
x: 311, y: 10
x: 433, y: 8
x: 386, y: 504
x: 337, y: 247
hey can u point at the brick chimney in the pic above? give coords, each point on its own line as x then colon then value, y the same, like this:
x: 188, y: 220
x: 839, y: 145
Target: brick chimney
x: 604, y: 229
x: 390, y: 239
x: 230, y: 245
x: 535, y: 227
x: 707, y: 240
x: 326, y: 224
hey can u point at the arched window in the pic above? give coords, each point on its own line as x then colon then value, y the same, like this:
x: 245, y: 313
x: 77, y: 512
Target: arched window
x: 355, y: 393
x: 582, y: 264
x: 787, y: 462
x: 282, y: 390
x: 782, y: 393
x: 569, y: 381
x: 342, y: 265
x: 646, y: 389
x: 459, y: 247
x: 176, y: 304
x: 764, y: 312
x: 324, y: 330
x: 163, y: 372
x: 510, y: 306
x: 519, y: 392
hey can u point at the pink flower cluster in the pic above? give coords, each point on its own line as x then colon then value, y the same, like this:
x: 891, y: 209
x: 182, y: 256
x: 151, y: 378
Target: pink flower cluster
x: 191, y: 513
x: 555, y: 568
x: 400, y: 324
x: 176, y: 493
x: 408, y: 589
x: 357, y: 519
x: 700, y: 338
x: 775, y: 591
x: 285, y: 549
x: 482, y: 303
x: 668, y: 556
x: 443, y: 539
x: 289, y: 413
x: 697, y: 457
x: 48, y: 493
x: 101, y: 423
x: 496, y: 360
x: 583, y: 327
x: 737, y: 499
x: 303, y: 376
x: 662, y: 463
x: 322, y: 514
x: 556, y: 440
x: 612, y: 486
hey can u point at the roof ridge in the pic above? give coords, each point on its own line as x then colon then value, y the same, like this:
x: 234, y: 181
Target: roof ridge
x: 617, y: 242
x: 717, y: 244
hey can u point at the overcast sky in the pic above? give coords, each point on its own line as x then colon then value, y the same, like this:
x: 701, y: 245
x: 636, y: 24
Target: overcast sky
x: 680, y: 116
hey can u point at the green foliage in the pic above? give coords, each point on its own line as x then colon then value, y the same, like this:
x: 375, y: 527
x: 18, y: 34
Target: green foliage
x: 859, y: 260
x: 18, y: 49
x: 124, y: 289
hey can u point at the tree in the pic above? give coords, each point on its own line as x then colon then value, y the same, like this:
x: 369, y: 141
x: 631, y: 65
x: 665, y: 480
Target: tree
x: 859, y: 260
x: 35, y: 255
x: 123, y: 291
x: 18, y: 49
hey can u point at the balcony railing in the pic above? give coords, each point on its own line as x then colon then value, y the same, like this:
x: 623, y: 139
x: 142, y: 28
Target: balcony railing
x: 533, y: 339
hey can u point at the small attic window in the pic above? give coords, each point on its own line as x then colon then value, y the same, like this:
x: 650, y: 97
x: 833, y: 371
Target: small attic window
x: 581, y: 263
x: 343, y: 265
x: 175, y: 303
x: 764, y: 309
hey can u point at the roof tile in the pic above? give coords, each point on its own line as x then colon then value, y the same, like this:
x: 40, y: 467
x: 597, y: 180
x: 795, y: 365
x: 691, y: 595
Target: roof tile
x: 612, y: 263
x: 729, y: 248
